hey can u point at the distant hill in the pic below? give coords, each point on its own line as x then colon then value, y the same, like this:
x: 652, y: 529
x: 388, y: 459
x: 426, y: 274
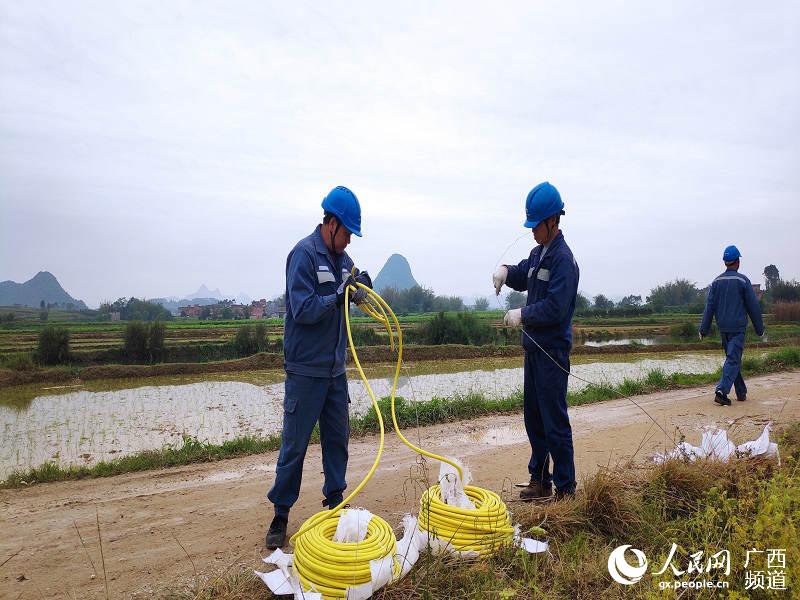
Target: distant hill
x: 43, y: 286
x: 202, y: 297
x: 396, y: 273
x: 172, y: 305
x: 204, y: 292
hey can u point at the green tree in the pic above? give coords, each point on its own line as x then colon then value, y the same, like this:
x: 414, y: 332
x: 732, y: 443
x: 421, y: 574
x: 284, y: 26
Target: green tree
x: 53, y: 348
x: 772, y: 276
x: 602, y: 303
x: 679, y: 293
x: 481, y: 304
x: 630, y: 301
x: 515, y: 300
x: 582, y: 302
x: 786, y: 291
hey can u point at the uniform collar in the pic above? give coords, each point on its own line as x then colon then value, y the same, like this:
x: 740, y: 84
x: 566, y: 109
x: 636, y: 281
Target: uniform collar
x: 319, y: 243
x: 321, y: 248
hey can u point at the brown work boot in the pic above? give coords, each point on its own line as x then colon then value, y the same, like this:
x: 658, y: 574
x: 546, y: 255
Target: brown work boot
x: 536, y: 490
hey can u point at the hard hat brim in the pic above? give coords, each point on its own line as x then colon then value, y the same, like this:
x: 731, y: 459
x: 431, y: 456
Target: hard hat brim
x: 531, y: 224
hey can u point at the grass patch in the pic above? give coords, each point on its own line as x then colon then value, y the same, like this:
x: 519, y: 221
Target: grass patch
x: 703, y: 506
x: 190, y: 451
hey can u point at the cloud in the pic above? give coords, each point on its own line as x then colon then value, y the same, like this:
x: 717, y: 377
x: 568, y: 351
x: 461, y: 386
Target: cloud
x: 146, y: 148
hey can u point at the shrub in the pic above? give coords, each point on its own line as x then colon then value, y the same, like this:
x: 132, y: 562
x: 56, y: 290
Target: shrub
x: 786, y: 311
x: 260, y: 338
x: 463, y: 328
x: 22, y: 361
x: 684, y: 330
x: 245, y: 341
x: 136, y: 340
x: 365, y: 336
x: 53, y: 345
x: 155, y: 341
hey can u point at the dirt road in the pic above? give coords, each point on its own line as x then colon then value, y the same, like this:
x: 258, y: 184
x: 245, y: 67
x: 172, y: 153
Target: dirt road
x: 158, y: 528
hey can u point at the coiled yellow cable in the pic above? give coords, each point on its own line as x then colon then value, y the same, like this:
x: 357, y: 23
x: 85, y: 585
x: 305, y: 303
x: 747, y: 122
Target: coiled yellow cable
x: 332, y: 567
x: 483, y: 529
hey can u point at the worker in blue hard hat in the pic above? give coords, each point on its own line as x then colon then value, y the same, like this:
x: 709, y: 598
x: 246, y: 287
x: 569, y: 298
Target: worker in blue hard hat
x: 550, y: 277
x: 731, y: 300
x: 318, y: 271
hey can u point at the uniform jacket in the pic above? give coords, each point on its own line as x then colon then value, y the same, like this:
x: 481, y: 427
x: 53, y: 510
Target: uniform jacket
x: 731, y: 299
x: 314, y: 339
x: 552, y: 286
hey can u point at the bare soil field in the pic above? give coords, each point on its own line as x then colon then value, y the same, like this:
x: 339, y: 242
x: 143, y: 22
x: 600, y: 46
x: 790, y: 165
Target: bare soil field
x: 160, y: 529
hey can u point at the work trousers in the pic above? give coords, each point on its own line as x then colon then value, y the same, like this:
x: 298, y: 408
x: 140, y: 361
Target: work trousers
x: 546, y: 418
x: 733, y: 345
x: 306, y: 401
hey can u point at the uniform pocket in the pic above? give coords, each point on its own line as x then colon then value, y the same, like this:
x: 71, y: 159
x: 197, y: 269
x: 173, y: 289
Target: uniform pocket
x: 290, y: 394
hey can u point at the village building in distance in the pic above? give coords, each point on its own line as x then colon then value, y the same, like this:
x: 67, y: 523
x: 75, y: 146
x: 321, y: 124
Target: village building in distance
x: 228, y: 309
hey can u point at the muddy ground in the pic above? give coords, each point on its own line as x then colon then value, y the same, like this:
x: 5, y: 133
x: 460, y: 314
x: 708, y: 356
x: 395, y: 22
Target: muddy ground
x: 159, y: 528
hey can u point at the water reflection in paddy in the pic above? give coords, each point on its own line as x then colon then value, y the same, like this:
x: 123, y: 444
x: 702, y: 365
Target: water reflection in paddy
x: 85, y: 426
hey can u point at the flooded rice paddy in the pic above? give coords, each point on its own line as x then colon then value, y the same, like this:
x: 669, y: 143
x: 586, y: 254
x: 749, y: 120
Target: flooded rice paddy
x: 104, y: 420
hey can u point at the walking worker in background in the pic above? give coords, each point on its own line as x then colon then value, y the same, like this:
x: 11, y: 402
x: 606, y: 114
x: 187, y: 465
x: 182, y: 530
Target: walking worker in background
x: 550, y: 276
x: 318, y: 271
x: 731, y: 299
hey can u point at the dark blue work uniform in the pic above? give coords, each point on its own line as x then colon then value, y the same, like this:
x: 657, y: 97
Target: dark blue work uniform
x: 551, y: 279
x: 731, y: 299
x: 314, y: 345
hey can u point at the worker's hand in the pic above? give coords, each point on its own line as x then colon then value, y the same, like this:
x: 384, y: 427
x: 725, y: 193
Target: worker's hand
x: 513, y: 318
x: 347, y: 281
x: 700, y: 335
x: 359, y: 295
x: 499, y: 278
x: 364, y: 278
x: 764, y: 336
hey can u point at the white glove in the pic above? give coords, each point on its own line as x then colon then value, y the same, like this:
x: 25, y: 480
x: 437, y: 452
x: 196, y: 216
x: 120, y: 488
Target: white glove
x: 700, y: 336
x: 764, y: 336
x: 499, y: 278
x: 513, y: 318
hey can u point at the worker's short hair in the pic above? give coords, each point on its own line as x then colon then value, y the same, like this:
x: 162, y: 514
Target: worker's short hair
x: 730, y: 263
x: 327, y: 217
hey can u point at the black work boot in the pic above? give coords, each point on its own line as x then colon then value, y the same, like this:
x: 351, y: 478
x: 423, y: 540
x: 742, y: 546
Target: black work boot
x: 565, y: 494
x: 276, y: 535
x: 741, y: 398
x: 536, y: 490
x: 721, y: 399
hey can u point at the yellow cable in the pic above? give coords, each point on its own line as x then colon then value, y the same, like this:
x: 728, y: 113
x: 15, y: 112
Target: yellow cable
x: 332, y: 567
x: 483, y: 529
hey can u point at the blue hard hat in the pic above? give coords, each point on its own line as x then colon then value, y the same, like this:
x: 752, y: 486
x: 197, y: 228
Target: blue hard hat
x: 543, y: 201
x: 343, y: 204
x: 731, y: 254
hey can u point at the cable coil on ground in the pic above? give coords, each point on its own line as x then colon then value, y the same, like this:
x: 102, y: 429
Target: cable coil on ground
x: 331, y: 567
x: 483, y: 529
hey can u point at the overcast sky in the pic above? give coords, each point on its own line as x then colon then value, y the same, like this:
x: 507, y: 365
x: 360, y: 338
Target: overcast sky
x: 149, y: 147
